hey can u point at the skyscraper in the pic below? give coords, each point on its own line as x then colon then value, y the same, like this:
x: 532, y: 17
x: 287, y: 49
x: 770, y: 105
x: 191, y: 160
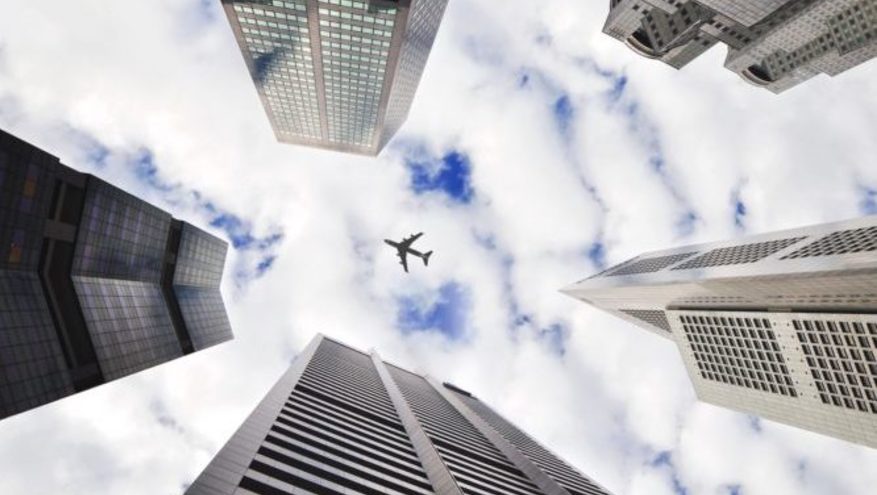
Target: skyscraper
x: 336, y: 74
x: 775, y: 44
x: 341, y: 421
x: 95, y: 284
x: 780, y: 325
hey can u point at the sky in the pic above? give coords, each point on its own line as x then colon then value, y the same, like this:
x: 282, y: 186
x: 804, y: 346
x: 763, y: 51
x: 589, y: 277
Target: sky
x: 537, y: 152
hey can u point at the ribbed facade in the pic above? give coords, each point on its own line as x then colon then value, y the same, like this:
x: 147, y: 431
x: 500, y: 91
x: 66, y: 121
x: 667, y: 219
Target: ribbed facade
x: 344, y: 422
x: 95, y: 284
x: 336, y: 74
x: 781, y: 325
x: 775, y: 44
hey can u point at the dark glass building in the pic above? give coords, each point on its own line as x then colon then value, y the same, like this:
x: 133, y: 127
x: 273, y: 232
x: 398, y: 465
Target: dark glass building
x: 95, y: 284
x: 342, y: 422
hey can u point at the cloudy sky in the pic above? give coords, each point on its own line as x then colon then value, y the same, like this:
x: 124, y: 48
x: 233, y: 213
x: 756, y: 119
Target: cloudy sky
x: 537, y: 151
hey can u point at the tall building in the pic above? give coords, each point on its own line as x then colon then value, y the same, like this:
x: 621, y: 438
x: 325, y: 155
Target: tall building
x: 781, y: 325
x: 775, y: 44
x: 341, y: 421
x: 336, y: 74
x: 95, y: 284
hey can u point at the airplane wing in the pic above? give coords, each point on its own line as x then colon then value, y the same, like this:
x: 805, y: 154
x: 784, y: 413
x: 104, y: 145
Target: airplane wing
x: 403, y: 259
x: 408, y: 241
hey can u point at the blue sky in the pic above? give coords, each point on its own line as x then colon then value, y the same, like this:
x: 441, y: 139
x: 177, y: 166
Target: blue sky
x: 256, y: 250
x: 869, y: 201
x: 449, y: 174
x: 443, y: 311
x: 537, y: 152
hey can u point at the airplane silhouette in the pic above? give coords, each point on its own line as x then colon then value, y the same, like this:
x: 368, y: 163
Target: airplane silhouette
x: 403, y: 249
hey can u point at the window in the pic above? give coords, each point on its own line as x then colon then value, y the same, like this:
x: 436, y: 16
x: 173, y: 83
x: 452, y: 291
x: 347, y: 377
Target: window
x: 738, y: 351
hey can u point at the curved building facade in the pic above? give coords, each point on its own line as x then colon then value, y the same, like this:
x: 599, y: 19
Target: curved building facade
x: 95, y: 284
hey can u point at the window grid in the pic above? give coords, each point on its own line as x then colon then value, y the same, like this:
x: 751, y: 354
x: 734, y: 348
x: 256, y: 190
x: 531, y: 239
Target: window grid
x: 650, y: 265
x: 837, y: 243
x: 33, y: 370
x: 655, y: 318
x: 197, y: 278
x: 841, y: 357
x: 26, y: 185
x: 340, y: 432
x: 738, y: 255
x: 354, y: 70
x: 129, y: 324
x: 561, y: 472
x: 277, y: 41
x: 773, y: 43
x: 461, y: 446
x: 738, y: 351
x: 117, y: 270
x: 120, y: 236
x: 423, y: 22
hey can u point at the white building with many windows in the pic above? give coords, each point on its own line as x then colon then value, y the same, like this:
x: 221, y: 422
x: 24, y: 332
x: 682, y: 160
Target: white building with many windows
x: 780, y: 325
x: 775, y: 44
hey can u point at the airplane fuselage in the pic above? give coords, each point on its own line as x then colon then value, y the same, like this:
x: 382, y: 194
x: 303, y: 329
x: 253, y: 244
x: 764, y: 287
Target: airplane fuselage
x: 403, y: 249
x: 408, y: 250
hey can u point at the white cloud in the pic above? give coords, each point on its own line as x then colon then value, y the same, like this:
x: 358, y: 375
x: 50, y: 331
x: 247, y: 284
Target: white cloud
x: 167, y: 76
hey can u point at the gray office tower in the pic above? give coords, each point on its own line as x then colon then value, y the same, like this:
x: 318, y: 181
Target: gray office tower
x: 775, y: 44
x: 343, y: 422
x: 336, y: 74
x: 95, y: 284
x: 781, y: 325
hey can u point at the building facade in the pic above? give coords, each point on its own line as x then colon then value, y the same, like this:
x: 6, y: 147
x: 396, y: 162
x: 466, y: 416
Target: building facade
x: 336, y: 74
x: 774, y: 44
x: 95, y: 284
x: 781, y: 325
x: 341, y: 421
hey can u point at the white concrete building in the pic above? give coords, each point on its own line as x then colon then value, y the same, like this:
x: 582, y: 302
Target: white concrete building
x: 780, y: 325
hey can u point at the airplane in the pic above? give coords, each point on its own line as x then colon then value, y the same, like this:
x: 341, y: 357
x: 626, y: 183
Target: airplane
x: 403, y: 249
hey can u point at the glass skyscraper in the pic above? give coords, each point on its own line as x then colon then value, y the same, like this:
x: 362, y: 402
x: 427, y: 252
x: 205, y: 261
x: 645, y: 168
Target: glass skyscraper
x: 780, y: 325
x: 343, y: 422
x: 775, y: 44
x: 336, y: 74
x: 95, y: 284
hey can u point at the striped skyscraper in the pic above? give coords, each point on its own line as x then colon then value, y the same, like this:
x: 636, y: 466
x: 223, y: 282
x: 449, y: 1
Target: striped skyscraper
x: 343, y: 422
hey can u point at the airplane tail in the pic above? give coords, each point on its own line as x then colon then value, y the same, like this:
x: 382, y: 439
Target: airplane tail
x: 426, y: 258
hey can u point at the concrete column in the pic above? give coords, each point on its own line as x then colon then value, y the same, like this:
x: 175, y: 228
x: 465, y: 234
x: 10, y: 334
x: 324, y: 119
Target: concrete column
x: 522, y: 462
x: 441, y: 479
